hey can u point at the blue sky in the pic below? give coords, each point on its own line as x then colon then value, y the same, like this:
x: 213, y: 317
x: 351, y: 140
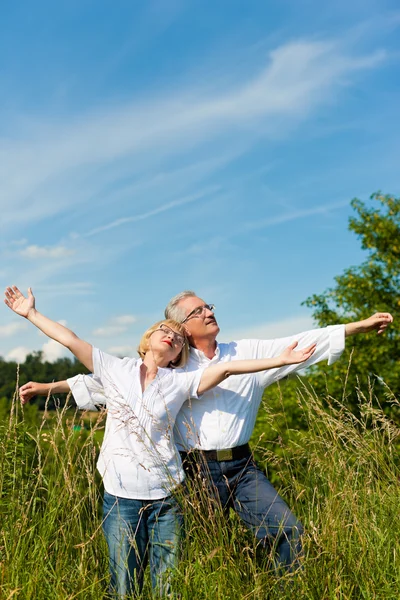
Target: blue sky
x: 151, y: 147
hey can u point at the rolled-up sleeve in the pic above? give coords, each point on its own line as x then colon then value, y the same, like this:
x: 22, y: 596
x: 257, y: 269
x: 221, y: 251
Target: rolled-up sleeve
x: 330, y: 345
x: 336, y: 342
x: 87, y: 391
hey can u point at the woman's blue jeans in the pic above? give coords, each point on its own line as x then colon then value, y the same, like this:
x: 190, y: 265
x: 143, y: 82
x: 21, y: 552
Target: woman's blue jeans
x: 137, y: 532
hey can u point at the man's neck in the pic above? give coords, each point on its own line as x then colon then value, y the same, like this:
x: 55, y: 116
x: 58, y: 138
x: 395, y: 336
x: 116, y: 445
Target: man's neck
x: 207, y: 346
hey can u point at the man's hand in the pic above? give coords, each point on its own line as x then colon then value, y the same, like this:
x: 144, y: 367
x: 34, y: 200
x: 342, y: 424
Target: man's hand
x: 31, y: 389
x: 378, y: 322
x: 290, y: 356
x: 17, y: 301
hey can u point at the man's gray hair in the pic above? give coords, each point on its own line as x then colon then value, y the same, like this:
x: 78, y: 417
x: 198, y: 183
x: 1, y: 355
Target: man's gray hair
x: 175, y: 312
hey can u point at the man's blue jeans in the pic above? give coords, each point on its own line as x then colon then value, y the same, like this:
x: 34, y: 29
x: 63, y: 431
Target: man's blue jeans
x: 138, y: 531
x: 239, y: 484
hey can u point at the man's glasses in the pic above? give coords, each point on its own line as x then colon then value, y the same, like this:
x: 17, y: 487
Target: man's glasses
x: 176, y: 337
x: 197, y: 312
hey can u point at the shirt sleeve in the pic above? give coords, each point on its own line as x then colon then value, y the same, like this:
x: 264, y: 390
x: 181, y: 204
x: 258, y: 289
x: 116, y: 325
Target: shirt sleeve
x: 87, y: 391
x: 113, y: 372
x: 330, y: 345
x: 188, y: 381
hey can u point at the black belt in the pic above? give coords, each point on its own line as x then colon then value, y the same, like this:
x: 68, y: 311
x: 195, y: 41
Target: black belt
x: 220, y: 455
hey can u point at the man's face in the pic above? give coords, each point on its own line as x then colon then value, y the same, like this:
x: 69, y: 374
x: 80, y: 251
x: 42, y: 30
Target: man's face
x: 199, y: 326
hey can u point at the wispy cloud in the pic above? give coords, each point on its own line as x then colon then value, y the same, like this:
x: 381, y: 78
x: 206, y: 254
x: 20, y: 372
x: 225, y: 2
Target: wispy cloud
x: 116, y: 326
x: 156, y: 211
x: 109, y: 330
x: 214, y: 244
x: 125, y: 320
x: 294, y: 215
x: 298, y: 77
x: 44, y: 252
x: 126, y: 350
x: 75, y: 288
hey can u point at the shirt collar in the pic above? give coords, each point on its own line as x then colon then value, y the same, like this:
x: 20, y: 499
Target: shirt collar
x: 200, y: 357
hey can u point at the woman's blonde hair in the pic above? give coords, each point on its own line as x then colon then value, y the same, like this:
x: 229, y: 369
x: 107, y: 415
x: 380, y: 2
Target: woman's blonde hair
x: 144, y: 344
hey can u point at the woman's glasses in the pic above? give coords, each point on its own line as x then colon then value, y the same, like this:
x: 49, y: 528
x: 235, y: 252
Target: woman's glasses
x: 176, y: 337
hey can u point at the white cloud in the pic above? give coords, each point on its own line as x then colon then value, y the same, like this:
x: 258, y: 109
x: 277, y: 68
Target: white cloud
x: 109, y: 330
x: 46, y: 252
x: 152, y: 213
x: 297, y: 79
x: 80, y: 288
x: 123, y: 350
x: 124, y: 320
x: 18, y: 354
x: 294, y: 215
x: 52, y: 351
x: 11, y: 328
x: 270, y: 330
x: 116, y: 326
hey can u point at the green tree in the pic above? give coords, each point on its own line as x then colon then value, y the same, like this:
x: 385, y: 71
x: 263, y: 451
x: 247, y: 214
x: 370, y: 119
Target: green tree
x: 35, y: 369
x: 360, y: 291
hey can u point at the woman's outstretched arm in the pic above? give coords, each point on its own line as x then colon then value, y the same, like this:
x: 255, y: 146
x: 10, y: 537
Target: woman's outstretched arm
x: 212, y: 376
x: 25, y: 307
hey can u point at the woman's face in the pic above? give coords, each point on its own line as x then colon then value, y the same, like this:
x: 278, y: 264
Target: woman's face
x: 167, y: 341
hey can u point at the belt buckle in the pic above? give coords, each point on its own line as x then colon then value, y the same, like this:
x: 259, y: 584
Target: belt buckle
x: 225, y: 454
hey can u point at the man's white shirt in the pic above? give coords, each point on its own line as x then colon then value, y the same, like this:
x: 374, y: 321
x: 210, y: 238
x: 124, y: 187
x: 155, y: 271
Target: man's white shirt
x: 224, y: 417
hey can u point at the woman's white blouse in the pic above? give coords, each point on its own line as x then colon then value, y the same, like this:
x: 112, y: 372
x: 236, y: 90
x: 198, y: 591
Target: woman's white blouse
x: 138, y: 458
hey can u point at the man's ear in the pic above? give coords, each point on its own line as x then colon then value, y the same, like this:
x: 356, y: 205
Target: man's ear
x: 186, y: 331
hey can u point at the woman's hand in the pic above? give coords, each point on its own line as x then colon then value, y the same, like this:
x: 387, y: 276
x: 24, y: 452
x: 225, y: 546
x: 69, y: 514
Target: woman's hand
x: 290, y: 356
x: 18, y: 303
x: 25, y: 307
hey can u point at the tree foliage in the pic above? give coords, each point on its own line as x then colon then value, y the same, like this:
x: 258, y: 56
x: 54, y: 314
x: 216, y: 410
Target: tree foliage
x: 361, y: 290
x: 36, y: 369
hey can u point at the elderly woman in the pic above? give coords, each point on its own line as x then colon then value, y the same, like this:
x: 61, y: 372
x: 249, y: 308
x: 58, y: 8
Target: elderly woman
x: 139, y: 464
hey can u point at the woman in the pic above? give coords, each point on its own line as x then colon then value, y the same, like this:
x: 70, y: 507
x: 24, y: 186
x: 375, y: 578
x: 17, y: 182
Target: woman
x: 138, y: 461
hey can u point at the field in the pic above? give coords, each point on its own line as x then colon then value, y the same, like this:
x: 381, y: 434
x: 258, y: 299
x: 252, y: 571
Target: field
x: 339, y: 473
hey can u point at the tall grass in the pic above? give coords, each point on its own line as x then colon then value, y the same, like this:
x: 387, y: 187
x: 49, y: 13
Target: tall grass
x: 340, y: 476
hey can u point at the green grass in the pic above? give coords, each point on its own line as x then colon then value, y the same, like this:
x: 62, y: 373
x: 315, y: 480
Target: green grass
x: 340, y: 475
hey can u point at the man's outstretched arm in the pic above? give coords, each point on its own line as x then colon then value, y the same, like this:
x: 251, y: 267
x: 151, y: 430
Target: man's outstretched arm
x: 378, y: 322
x: 330, y: 343
x: 33, y: 388
x: 87, y: 391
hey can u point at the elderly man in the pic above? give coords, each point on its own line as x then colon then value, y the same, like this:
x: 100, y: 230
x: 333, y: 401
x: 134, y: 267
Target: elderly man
x: 212, y: 432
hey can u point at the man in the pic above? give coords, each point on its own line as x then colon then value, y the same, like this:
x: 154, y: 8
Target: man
x: 212, y: 432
